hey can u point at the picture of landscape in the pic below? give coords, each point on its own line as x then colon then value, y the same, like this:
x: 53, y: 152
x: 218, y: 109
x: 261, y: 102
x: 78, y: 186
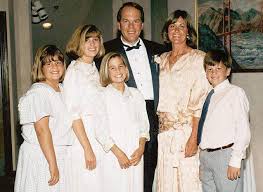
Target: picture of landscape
x: 233, y: 25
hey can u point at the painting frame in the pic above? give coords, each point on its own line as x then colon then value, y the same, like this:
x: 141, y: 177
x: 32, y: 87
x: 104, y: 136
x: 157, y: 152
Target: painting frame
x: 227, y: 25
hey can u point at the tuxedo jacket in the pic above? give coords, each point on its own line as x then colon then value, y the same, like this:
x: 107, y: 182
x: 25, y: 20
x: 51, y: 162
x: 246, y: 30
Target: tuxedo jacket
x: 152, y: 49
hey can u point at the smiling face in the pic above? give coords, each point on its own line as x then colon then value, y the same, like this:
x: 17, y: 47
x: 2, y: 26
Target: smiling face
x: 53, y: 70
x: 217, y: 74
x: 177, y: 32
x: 130, y: 24
x: 90, y: 48
x: 117, y: 71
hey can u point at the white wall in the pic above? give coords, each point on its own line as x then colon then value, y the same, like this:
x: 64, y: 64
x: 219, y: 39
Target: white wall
x: 252, y: 83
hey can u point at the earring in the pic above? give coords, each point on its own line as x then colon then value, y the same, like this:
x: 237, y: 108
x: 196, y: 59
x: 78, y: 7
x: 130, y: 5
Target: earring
x: 187, y: 37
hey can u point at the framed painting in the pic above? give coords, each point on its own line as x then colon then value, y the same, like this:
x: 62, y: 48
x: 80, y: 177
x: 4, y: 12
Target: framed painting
x: 235, y: 26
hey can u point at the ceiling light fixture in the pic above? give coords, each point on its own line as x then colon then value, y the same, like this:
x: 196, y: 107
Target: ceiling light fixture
x: 47, y: 25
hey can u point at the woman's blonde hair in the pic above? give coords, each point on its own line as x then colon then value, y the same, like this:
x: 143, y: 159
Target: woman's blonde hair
x: 45, y: 54
x: 78, y: 39
x: 104, y: 68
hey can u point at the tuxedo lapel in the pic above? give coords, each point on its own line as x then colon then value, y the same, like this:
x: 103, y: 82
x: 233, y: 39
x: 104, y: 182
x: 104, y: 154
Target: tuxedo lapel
x: 131, y: 82
x: 155, y: 72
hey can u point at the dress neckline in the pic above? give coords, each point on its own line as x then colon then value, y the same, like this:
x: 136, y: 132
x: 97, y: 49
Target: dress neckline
x: 179, y: 64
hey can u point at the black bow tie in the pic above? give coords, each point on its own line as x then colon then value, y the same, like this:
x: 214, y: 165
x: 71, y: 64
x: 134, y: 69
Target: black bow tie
x: 137, y: 46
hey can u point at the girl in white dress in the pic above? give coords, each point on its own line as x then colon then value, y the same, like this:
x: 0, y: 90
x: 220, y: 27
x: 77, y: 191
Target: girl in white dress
x: 83, y: 99
x: 129, y: 127
x: 46, y: 126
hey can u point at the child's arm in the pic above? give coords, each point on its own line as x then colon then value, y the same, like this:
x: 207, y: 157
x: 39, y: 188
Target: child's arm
x: 240, y: 106
x: 137, y: 154
x: 191, y: 145
x: 80, y: 132
x: 233, y: 173
x: 121, y: 156
x: 45, y: 140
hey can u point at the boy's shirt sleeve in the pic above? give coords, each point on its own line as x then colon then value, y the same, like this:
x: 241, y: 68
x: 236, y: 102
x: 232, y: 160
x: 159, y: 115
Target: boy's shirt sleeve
x: 242, y: 136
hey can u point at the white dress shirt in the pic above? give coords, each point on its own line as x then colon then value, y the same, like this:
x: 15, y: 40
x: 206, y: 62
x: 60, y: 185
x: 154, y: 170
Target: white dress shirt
x: 141, y: 70
x: 227, y: 121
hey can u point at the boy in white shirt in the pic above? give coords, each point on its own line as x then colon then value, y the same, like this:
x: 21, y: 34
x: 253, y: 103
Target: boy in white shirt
x: 223, y: 131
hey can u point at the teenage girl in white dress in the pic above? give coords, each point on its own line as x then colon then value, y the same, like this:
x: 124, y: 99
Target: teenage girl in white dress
x: 83, y: 99
x: 46, y: 127
x: 128, y: 126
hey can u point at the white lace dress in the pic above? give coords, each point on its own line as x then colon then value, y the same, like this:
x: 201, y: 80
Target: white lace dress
x: 83, y: 95
x: 32, y: 172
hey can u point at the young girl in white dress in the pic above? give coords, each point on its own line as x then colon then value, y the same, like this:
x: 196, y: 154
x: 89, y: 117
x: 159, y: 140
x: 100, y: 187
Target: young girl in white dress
x: 83, y: 99
x: 128, y: 126
x: 46, y: 126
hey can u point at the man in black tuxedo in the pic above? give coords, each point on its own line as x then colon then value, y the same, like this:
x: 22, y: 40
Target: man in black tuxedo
x: 144, y: 74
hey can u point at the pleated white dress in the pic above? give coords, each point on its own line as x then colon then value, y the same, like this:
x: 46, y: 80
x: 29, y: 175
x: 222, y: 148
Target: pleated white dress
x: 32, y: 172
x: 128, y: 121
x: 83, y: 95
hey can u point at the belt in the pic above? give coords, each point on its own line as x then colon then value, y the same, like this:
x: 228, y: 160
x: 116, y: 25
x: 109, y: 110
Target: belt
x: 219, y: 148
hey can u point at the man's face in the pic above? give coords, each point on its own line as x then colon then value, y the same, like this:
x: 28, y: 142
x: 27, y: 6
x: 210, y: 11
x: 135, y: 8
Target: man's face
x: 130, y: 24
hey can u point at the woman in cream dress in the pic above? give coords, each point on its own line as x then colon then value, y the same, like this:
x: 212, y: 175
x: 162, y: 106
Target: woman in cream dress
x: 183, y: 88
x: 83, y: 99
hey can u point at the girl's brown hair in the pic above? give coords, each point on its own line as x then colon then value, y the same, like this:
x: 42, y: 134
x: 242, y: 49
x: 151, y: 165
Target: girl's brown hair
x: 44, y: 55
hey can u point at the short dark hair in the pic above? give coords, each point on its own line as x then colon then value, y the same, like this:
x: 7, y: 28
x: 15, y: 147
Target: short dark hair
x: 214, y: 57
x: 173, y: 17
x: 130, y: 4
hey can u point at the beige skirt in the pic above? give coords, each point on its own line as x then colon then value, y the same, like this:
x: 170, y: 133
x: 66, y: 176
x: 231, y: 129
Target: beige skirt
x: 174, y: 172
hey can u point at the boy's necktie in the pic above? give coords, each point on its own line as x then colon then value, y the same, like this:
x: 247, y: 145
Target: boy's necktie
x: 137, y: 46
x: 203, y: 116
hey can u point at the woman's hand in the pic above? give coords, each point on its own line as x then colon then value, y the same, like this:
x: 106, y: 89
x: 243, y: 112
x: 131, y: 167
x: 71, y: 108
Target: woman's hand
x: 136, y: 156
x: 90, y: 159
x: 124, y: 161
x: 54, y: 174
x: 191, y: 147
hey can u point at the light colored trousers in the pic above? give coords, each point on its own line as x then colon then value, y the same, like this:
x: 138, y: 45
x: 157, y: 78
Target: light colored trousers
x: 213, y: 172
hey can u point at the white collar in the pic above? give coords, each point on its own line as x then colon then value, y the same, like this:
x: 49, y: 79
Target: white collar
x: 128, y: 44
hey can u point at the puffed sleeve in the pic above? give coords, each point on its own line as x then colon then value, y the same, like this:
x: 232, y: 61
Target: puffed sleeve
x: 34, y: 105
x: 71, y: 92
x: 199, y: 89
x: 142, y: 115
x: 102, y: 132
